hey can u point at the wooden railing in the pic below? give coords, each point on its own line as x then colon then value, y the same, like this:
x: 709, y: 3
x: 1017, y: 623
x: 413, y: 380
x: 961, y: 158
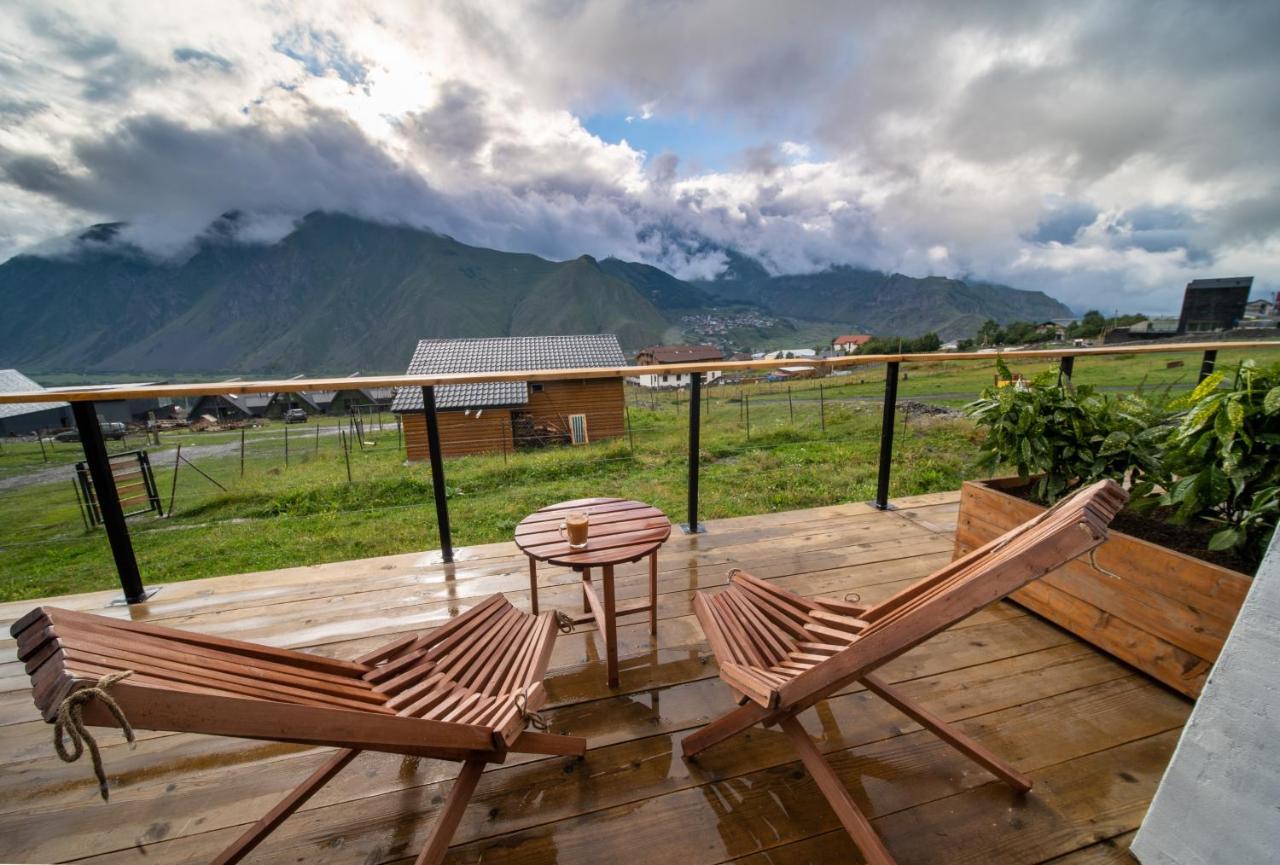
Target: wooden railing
x: 82, y: 403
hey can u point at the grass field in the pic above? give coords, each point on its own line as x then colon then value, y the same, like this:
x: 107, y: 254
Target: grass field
x: 801, y: 451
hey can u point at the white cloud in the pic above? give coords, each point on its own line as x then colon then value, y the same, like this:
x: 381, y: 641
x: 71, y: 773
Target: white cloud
x: 1095, y: 152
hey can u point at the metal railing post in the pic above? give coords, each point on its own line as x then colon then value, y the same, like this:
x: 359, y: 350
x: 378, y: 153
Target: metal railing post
x: 886, y: 435
x: 437, y: 471
x: 1206, y: 365
x: 1066, y: 367
x: 104, y: 487
x: 693, y: 527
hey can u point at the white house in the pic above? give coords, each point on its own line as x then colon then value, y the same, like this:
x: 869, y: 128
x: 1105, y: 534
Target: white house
x: 675, y: 354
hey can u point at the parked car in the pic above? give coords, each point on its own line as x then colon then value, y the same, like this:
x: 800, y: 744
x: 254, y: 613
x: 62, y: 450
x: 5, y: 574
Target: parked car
x: 295, y: 415
x: 110, y: 430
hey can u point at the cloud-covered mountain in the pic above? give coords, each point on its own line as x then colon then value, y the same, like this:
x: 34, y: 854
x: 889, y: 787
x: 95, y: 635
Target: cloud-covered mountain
x: 339, y: 293
x: 1105, y: 153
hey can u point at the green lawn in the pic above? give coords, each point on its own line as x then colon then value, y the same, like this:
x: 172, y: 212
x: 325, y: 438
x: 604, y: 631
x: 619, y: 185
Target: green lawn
x: 273, y: 515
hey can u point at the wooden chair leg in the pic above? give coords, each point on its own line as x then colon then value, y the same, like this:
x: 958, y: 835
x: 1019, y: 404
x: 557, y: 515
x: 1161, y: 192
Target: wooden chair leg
x: 722, y: 728
x: 949, y: 734
x: 533, y: 742
x: 610, y: 627
x: 853, y: 820
x: 653, y: 593
x: 243, y: 845
x: 451, y: 815
x: 533, y: 585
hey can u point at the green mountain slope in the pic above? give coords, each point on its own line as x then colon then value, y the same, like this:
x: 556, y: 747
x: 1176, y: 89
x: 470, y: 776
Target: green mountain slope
x: 888, y: 304
x: 340, y: 294
x: 336, y: 294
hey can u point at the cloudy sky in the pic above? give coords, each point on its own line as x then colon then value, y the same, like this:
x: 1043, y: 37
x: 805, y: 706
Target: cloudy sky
x: 1104, y: 152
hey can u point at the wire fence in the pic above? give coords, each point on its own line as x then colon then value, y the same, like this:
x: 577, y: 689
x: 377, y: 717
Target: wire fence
x: 765, y: 445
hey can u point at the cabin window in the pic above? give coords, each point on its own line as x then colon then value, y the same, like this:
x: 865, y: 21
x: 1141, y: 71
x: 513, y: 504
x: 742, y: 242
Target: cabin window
x: 536, y: 387
x: 578, y: 428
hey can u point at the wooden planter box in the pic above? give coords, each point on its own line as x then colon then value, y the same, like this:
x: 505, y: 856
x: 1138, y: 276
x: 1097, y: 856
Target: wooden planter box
x: 1167, y: 615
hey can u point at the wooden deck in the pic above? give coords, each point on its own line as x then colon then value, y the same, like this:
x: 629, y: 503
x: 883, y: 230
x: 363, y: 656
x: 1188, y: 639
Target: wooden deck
x: 1093, y: 734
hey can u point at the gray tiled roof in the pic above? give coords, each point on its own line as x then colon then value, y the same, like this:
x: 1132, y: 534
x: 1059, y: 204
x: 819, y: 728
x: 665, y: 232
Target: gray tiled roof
x: 501, y: 354
x: 12, y: 381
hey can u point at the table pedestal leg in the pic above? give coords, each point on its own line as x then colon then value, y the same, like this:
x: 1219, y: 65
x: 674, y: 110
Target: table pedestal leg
x: 533, y: 584
x: 586, y: 578
x: 653, y: 593
x: 610, y: 628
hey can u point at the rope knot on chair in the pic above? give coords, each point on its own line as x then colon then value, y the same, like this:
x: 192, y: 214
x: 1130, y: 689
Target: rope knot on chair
x: 70, y: 721
x: 533, y: 719
x: 564, y: 622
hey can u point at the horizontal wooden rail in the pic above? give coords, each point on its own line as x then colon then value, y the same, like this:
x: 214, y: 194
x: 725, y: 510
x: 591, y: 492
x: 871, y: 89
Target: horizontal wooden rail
x: 106, y: 393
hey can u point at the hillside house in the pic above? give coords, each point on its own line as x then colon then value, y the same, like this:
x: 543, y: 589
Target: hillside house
x: 673, y: 354
x: 850, y: 342
x: 498, y: 416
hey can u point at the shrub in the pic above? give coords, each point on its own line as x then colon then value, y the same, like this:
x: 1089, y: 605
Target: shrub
x: 1225, y: 457
x: 1213, y: 454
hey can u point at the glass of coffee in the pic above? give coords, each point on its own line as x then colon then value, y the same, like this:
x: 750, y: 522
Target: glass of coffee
x: 574, y: 529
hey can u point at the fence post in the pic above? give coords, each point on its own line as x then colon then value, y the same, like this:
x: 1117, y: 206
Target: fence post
x: 286, y: 445
x: 1206, y: 365
x: 746, y: 408
x: 1066, y: 367
x: 173, y: 487
x: 886, y: 435
x: 346, y: 452
x: 822, y: 409
x: 317, y: 449
x: 241, y: 451
x: 693, y: 527
x: 631, y: 436
x: 437, y: 471
x: 791, y: 409
x: 104, y: 485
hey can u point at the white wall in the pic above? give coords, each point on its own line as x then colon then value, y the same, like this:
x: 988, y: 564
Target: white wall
x: 1219, y: 801
x: 673, y: 380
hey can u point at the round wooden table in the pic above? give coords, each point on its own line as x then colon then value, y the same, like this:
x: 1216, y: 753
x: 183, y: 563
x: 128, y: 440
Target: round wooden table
x: 620, y: 531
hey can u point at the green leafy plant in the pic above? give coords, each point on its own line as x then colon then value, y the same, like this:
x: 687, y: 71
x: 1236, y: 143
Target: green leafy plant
x: 1213, y: 454
x: 1225, y: 456
x: 1068, y: 436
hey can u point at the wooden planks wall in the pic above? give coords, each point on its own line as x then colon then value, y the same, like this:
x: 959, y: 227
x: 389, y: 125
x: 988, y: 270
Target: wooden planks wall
x: 459, y: 434
x: 601, y: 400
x: 1168, y: 615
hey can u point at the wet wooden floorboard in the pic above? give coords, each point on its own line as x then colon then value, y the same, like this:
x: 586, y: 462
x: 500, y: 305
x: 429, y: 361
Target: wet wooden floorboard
x: 1094, y: 734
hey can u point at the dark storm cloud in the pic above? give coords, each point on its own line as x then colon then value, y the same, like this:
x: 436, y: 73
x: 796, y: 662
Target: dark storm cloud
x: 455, y: 128
x: 1061, y: 222
x: 203, y: 59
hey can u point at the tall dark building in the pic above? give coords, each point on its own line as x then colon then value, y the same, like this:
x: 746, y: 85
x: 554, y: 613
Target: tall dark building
x: 1214, y: 304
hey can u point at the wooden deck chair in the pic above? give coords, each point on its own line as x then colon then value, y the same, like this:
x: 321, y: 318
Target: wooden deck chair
x: 782, y: 653
x: 464, y: 692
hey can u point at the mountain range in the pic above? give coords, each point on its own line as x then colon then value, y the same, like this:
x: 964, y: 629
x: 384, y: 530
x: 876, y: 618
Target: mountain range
x: 340, y: 293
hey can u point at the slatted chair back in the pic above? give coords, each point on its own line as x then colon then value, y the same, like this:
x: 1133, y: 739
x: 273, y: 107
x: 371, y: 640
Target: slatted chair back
x: 463, y: 692
x: 467, y: 686
x: 788, y: 652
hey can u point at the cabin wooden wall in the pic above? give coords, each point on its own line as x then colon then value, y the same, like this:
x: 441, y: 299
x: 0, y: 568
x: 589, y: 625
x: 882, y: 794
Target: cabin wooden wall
x: 460, y: 434
x: 602, y: 400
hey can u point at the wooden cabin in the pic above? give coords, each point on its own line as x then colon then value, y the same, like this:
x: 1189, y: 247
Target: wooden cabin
x: 494, y: 417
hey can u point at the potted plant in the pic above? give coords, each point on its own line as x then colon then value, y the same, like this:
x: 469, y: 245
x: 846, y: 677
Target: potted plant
x: 1204, y: 476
